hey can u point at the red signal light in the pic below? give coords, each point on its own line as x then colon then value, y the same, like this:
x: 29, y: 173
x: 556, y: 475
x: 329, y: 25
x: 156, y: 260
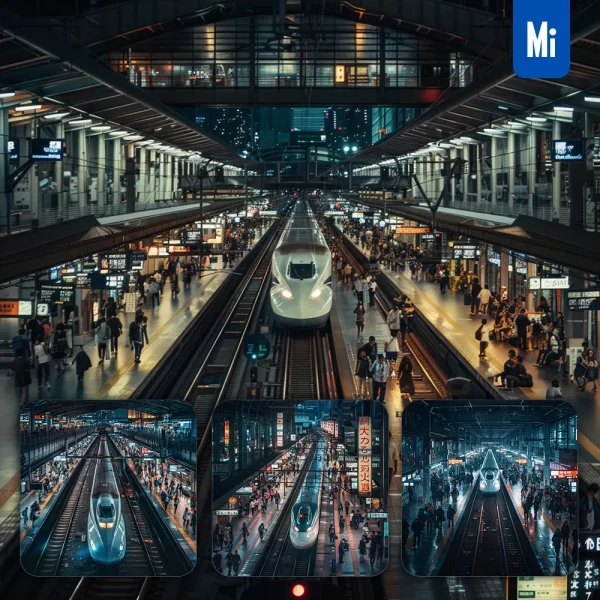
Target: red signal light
x: 298, y: 590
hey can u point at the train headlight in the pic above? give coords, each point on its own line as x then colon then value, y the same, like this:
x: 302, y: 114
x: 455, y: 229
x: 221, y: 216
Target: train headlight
x: 497, y: 484
x: 92, y: 544
x: 482, y: 485
x: 309, y: 529
x: 316, y: 293
x: 296, y: 529
x: 287, y: 294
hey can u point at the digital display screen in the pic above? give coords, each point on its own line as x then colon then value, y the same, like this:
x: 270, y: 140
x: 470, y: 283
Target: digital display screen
x: 584, y: 299
x: 567, y: 150
x: 42, y: 149
x: 13, y: 149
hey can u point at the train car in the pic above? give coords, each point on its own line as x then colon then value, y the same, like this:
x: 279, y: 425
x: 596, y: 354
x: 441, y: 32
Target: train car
x: 490, y: 474
x: 106, y: 526
x: 304, y: 527
x: 301, y: 293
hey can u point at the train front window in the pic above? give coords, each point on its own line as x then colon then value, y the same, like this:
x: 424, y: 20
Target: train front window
x: 302, y: 271
x: 106, y: 512
x: 489, y: 475
x: 303, y: 515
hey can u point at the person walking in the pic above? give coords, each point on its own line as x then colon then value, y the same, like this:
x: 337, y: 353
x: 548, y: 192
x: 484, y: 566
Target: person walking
x: 393, y: 320
x: 42, y: 359
x: 380, y: 373
x: 475, y: 290
x: 136, y: 339
x: 405, y: 377
x: 359, y: 311
x: 483, y: 335
x: 522, y: 322
x: 82, y: 363
x: 484, y: 299
x: 21, y: 368
x: 372, y: 290
x: 363, y: 366
x: 103, y: 335
x: 450, y: 513
x: 116, y: 329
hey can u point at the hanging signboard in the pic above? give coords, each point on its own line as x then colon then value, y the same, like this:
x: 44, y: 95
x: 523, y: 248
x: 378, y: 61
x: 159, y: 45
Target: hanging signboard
x: 549, y: 588
x: 227, y: 512
x: 455, y: 461
x: 567, y: 150
x: 16, y: 308
x: 99, y: 281
x: 548, y: 283
x: 584, y: 299
x: 114, y: 263
x: 51, y: 294
x: 280, y: 430
x: 408, y: 230
x: 364, y: 456
x: 521, y: 461
x: 566, y: 474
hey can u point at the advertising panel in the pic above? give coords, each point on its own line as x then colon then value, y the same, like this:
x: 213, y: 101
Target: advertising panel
x: 365, y: 443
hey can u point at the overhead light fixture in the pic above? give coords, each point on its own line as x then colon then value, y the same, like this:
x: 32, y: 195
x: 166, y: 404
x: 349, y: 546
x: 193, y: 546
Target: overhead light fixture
x: 592, y: 98
x: 158, y: 129
x: 57, y: 115
x: 563, y: 109
x: 502, y: 107
x: 135, y: 138
x: 24, y: 107
x: 121, y: 132
x: 100, y: 128
x: 7, y: 94
x: 516, y: 125
x: 80, y: 122
x: 537, y: 119
x: 143, y: 143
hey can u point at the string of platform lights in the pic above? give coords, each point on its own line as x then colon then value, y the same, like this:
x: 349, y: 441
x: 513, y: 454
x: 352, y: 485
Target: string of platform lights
x: 501, y: 129
x: 75, y: 120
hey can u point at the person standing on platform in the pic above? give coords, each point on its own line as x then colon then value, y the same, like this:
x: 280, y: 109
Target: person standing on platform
x: 380, y: 372
x: 22, y: 369
x: 565, y: 534
x: 372, y: 290
x: 370, y: 349
x: 405, y: 376
x: 82, y: 363
x: 450, y: 512
x: 359, y: 287
x: 475, y: 289
x: 393, y: 459
x: 522, y: 322
x: 42, y: 358
x: 116, y: 329
x: 136, y: 338
x: 484, y: 299
x: 483, y: 335
x: 103, y: 336
x: 363, y: 366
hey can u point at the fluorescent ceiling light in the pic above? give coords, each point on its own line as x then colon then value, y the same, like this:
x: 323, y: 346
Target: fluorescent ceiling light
x: 537, y: 119
x: 592, y: 98
x: 57, y: 115
x: 100, y: 128
x: 8, y: 94
x: 502, y: 107
x: 24, y: 107
x: 80, y: 122
x: 563, y: 109
x: 118, y: 132
x: 135, y: 138
x: 517, y: 125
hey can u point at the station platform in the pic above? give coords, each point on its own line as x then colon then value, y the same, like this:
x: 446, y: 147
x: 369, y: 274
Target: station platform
x: 426, y: 557
x: 119, y: 377
x: 540, y: 531
x: 250, y: 552
x: 447, y: 313
x: 186, y: 536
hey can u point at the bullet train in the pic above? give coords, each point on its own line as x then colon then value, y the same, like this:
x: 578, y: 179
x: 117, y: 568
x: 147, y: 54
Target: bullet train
x: 301, y: 294
x: 304, y: 528
x: 106, y: 527
x: 490, y: 475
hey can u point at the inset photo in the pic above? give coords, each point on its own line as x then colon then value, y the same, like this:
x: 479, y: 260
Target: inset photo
x: 489, y: 488
x: 108, y: 488
x: 300, y: 489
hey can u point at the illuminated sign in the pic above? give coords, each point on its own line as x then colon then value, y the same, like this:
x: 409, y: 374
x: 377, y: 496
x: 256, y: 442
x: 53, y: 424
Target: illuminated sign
x: 548, y: 283
x: 340, y: 73
x: 13, y: 149
x: 98, y: 281
x: 364, y: 456
x: 41, y: 149
x: 455, y: 461
x: 570, y: 474
x: 591, y: 543
x: 257, y: 347
x: 549, y: 588
x: 377, y: 515
x: 521, y: 461
x: 330, y: 427
x: 114, y: 263
x: 244, y: 491
x: 51, y: 294
x: 584, y: 579
x: 466, y: 251
x: 226, y: 433
x: 280, y: 430
x: 567, y: 150
x: 407, y: 230
x: 16, y: 308
x: 227, y: 513
x: 584, y: 299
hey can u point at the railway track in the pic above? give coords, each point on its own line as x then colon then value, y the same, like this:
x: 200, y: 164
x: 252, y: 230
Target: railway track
x: 487, y: 540
x: 71, y: 521
x: 282, y: 559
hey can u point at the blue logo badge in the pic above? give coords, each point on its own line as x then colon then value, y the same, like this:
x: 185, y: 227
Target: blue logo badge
x: 541, y: 38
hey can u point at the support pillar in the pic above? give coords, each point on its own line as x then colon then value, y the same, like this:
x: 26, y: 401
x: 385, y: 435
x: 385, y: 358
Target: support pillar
x: 556, y: 169
x: 453, y: 155
x: 168, y: 177
x: 494, y: 172
x: 478, y: 163
x: 531, y: 272
x: 143, y: 181
x: 512, y: 138
x: 116, y: 161
x: 504, y: 258
x: 151, y: 188
x: 101, y: 170
x: 82, y: 176
x: 547, y: 453
x: 5, y: 197
x: 531, y: 169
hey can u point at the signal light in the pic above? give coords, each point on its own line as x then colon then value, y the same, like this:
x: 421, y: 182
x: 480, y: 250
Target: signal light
x: 298, y: 590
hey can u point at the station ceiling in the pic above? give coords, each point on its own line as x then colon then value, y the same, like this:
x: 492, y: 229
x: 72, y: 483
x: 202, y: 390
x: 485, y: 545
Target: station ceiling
x: 76, y: 408
x: 35, y: 59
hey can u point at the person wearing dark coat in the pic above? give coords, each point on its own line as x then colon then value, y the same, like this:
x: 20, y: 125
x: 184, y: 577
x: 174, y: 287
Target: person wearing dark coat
x: 82, y: 363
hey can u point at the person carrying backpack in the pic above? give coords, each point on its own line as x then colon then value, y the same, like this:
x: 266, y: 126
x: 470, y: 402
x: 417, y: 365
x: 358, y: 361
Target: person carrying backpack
x: 136, y: 339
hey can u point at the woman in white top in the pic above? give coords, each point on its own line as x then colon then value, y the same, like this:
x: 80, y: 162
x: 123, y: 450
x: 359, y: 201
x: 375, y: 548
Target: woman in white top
x: 485, y: 338
x: 42, y: 358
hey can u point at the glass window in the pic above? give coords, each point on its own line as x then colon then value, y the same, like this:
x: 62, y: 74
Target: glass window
x: 301, y: 271
x: 106, y: 512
